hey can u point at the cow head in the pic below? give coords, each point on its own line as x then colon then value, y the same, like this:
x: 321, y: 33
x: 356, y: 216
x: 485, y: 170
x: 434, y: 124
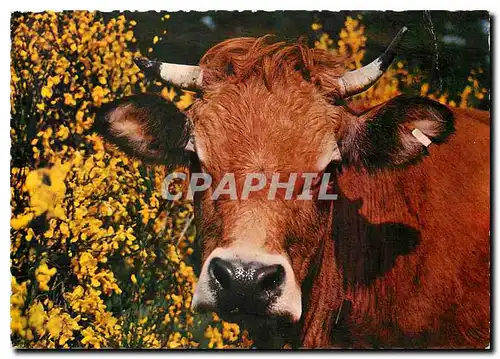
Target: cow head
x: 271, y: 110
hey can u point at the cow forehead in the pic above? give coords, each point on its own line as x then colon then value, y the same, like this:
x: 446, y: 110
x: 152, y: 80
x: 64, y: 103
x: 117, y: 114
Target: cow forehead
x: 248, y: 127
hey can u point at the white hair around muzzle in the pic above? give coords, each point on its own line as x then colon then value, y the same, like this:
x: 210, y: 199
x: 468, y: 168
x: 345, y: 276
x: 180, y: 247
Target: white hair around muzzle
x: 288, y: 304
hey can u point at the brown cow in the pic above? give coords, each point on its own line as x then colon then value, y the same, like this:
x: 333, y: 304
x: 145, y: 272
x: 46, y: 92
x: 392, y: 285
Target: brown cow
x: 400, y: 259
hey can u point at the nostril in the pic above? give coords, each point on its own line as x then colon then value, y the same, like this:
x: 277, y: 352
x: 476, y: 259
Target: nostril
x: 222, y: 271
x: 271, y: 277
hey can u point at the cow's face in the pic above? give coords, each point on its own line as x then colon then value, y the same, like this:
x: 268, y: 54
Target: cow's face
x: 256, y: 250
x: 266, y: 111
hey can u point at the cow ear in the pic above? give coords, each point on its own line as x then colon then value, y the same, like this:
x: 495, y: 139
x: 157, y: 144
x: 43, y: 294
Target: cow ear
x: 145, y: 126
x: 395, y: 133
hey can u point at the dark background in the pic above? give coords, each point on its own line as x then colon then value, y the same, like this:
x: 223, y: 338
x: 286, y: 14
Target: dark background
x: 444, y: 45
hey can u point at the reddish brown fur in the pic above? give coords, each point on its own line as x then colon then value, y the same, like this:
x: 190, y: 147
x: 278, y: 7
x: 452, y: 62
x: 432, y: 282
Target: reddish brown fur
x: 257, y: 111
x: 438, y: 294
x: 236, y: 60
x: 402, y: 257
x: 248, y: 126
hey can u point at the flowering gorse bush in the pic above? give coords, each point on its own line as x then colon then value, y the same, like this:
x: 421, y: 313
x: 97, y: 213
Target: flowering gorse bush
x: 98, y: 257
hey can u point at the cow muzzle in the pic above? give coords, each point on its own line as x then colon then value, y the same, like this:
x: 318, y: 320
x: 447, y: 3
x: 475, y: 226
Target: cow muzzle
x: 243, y: 282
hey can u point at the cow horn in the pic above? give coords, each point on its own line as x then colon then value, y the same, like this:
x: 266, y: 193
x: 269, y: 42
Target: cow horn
x: 187, y: 76
x: 359, y: 80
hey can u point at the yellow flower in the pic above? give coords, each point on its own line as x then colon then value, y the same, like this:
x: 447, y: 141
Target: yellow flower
x: 68, y: 99
x: 47, y: 92
x: 63, y: 132
x: 64, y: 228
x: 424, y: 89
x: 17, y: 322
x: 168, y: 94
x: 19, y: 292
x: 186, y: 100
x: 47, y: 189
x: 21, y: 221
x: 316, y: 26
x: 230, y: 331
x: 43, y: 275
x: 61, y: 325
x: 215, y: 337
x: 91, y: 337
x: 129, y: 35
x: 37, y: 317
x: 30, y: 234
x: 98, y: 94
x: 54, y: 326
x: 53, y: 80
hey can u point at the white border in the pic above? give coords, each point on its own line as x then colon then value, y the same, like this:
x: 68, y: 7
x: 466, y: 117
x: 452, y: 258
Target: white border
x: 199, y: 5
